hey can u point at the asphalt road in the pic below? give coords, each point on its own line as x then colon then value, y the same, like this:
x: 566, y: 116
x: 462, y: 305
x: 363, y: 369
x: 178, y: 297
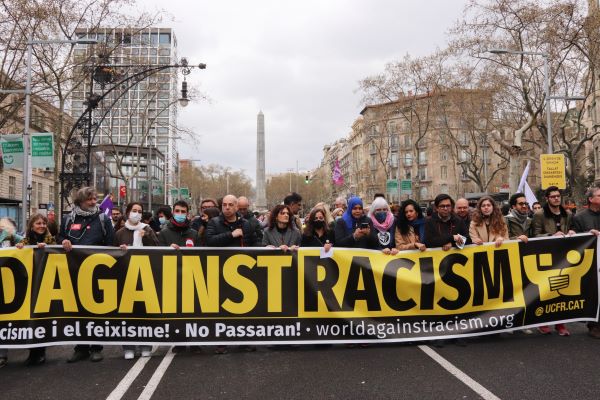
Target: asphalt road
x: 506, y: 366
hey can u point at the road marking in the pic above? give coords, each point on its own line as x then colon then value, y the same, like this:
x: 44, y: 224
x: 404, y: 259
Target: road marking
x: 464, y: 378
x: 157, y: 376
x: 128, y: 379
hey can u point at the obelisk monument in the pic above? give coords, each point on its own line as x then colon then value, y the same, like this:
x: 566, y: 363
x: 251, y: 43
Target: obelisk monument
x: 261, y: 193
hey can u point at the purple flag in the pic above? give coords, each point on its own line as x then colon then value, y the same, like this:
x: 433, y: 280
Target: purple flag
x: 338, y: 178
x: 107, y: 205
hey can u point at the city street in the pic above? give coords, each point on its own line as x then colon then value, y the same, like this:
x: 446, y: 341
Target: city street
x: 506, y: 366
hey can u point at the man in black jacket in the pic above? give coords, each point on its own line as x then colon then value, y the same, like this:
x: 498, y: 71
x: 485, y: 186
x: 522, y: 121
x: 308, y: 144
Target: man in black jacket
x: 85, y: 225
x: 588, y: 220
x: 229, y: 229
x: 246, y: 213
x: 444, y: 229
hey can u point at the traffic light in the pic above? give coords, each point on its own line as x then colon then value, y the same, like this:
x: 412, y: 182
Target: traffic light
x: 306, y: 180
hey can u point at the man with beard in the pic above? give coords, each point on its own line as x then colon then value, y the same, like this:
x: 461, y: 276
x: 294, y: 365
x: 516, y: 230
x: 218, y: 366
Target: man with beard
x: 517, y: 219
x: 86, y: 225
x: 177, y: 232
x: 552, y: 220
x: 444, y: 229
x: 588, y: 220
x: 244, y: 211
x: 229, y: 229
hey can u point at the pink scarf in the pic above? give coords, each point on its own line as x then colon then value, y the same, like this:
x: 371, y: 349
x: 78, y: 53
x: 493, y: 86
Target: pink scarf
x: 389, y: 220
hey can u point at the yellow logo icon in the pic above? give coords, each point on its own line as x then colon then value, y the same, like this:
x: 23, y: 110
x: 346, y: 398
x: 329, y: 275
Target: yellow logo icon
x: 553, y: 283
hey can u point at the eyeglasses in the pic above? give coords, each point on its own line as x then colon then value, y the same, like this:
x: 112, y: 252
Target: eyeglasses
x: 444, y: 206
x: 522, y: 203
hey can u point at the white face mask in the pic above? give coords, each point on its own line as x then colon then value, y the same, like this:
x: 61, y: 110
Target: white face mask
x: 135, y: 217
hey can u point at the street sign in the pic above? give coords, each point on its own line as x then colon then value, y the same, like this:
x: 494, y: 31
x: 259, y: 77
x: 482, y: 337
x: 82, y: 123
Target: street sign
x: 43, y: 206
x: 391, y: 186
x: 12, y: 151
x: 42, y: 150
x: 553, y: 170
x: 406, y: 186
x: 175, y: 193
x: 185, y: 193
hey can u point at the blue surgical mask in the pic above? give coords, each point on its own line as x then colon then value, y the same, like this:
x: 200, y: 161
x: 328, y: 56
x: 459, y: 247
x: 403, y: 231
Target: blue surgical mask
x: 162, y: 220
x: 179, y: 218
x: 381, y: 216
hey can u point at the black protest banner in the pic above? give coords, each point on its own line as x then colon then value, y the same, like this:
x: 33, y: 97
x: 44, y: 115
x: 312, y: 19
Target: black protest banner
x: 236, y: 296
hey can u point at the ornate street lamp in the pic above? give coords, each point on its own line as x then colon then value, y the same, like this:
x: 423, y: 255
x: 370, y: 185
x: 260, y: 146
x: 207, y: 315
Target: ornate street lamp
x: 76, y: 156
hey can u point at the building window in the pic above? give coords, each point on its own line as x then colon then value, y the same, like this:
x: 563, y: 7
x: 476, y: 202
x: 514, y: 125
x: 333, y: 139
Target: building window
x: 443, y: 172
x: 408, y: 159
x: 165, y: 38
x: 51, y: 193
x: 40, y: 192
x: 422, y: 157
x: 444, y: 155
x: 373, y: 162
x: 12, y: 186
x: 423, y: 173
x: 407, y: 141
x: 394, y: 160
x: 424, y: 194
x: 407, y: 173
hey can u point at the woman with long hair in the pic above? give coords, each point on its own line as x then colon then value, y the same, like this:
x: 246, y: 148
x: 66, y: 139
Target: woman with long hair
x: 487, y: 223
x: 136, y: 234
x: 207, y: 214
x: 410, y: 227
x: 282, y: 232
x: 37, y: 233
x: 316, y: 230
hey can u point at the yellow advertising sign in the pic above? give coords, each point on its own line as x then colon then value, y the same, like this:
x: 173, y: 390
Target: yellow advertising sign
x: 553, y: 170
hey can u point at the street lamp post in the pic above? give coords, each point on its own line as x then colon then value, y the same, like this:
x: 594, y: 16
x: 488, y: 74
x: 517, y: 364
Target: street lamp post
x: 26, y: 181
x: 75, y: 169
x: 546, y: 85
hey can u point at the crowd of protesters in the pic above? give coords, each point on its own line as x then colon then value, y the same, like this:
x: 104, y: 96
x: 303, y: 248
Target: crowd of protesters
x: 230, y: 222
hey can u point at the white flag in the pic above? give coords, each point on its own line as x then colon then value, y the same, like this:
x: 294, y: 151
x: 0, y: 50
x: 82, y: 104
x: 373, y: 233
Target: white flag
x: 524, y: 186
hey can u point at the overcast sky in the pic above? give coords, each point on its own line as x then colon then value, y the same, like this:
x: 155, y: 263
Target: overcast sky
x: 297, y: 61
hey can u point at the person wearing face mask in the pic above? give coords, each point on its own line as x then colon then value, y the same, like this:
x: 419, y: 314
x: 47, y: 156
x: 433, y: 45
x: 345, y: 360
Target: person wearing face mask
x: 177, y: 232
x: 316, y: 230
x: 487, y: 223
x: 384, y: 226
x: 163, y: 215
x: 136, y: 234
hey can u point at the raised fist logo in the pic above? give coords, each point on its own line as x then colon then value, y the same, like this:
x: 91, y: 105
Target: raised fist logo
x: 565, y: 281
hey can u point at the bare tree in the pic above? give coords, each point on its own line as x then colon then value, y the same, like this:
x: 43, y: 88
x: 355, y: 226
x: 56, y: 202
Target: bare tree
x: 55, y: 67
x: 555, y: 29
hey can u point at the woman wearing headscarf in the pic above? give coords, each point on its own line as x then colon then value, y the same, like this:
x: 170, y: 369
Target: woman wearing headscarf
x: 410, y: 227
x: 354, y: 228
x: 384, y: 226
x: 135, y: 233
